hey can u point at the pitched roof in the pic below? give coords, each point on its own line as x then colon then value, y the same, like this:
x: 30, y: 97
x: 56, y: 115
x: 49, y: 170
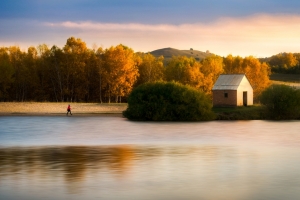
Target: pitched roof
x: 228, y: 82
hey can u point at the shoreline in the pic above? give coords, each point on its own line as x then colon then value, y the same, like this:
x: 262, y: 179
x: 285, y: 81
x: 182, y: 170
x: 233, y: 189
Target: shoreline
x: 60, y: 109
x: 61, y: 114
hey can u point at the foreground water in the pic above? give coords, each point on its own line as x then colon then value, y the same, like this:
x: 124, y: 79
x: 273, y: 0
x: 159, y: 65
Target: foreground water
x: 112, y: 158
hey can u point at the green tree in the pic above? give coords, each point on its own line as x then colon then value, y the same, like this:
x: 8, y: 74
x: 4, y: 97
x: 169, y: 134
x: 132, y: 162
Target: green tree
x: 168, y: 101
x: 282, y: 102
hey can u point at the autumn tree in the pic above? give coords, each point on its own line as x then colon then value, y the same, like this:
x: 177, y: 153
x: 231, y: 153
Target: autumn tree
x: 6, y: 75
x: 257, y: 72
x: 233, y: 65
x: 150, y: 68
x: 16, y: 56
x: 119, y: 72
x: 43, y: 73
x: 93, y: 76
x: 76, y: 55
x: 211, y: 68
x: 185, y: 71
x: 283, y: 62
x: 31, y: 73
x: 99, y: 62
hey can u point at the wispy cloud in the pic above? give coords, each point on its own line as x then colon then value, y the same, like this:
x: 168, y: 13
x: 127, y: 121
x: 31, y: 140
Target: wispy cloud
x: 258, y: 35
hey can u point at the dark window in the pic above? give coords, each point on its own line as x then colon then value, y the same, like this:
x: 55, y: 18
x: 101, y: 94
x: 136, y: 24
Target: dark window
x: 225, y: 94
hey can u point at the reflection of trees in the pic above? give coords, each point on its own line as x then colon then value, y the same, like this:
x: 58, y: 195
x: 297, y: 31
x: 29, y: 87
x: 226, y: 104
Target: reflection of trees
x: 75, y: 163
x: 71, y: 162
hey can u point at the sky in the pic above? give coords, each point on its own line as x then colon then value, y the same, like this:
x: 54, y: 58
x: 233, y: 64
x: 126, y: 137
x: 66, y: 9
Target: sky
x: 260, y: 28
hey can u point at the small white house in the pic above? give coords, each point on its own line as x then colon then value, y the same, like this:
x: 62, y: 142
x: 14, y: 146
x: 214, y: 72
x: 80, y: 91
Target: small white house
x: 232, y: 90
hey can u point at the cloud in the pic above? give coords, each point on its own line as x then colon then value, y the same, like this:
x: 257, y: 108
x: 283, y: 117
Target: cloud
x: 258, y: 35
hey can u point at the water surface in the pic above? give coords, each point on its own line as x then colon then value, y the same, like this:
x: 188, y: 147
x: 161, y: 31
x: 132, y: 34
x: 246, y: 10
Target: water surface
x: 113, y: 158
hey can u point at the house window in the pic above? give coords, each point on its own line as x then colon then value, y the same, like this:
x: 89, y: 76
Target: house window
x: 225, y: 94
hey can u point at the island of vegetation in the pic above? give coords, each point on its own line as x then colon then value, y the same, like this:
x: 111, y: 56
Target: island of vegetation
x: 168, y: 101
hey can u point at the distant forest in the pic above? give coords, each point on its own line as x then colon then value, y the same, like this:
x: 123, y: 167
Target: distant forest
x: 76, y: 73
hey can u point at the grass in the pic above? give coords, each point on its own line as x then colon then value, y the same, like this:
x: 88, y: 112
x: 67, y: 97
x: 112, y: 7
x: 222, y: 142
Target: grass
x: 255, y: 112
x: 292, y: 78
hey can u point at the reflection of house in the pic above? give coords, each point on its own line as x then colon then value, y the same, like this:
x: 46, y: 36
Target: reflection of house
x: 232, y: 90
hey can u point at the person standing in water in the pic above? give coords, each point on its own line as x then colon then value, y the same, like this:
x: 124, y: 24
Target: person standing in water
x: 69, y: 110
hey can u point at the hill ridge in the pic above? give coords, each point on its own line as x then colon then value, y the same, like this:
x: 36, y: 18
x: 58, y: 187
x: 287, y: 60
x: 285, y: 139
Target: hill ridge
x: 169, y: 52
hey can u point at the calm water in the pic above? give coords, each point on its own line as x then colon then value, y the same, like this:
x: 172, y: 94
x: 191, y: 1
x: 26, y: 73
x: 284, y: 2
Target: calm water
x: 112, y: 158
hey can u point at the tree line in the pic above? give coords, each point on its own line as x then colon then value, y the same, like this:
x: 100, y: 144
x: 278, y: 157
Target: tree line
x: 287, y: 63
x: 76, y: 73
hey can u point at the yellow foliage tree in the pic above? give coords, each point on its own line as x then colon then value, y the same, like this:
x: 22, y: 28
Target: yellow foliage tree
x: 119, y: 71
x: 211, y: 68
x: 151, y: 69
x: 184, y: 70
x: 257, y: 72
x: 76, y: 56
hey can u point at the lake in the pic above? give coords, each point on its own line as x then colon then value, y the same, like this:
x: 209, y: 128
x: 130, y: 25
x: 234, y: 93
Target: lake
x: 109, y: 157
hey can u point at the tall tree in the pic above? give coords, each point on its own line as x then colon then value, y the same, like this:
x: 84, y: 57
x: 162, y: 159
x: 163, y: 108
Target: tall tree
x: 283, y: 62
x: 19, y: 85
x: 257, y: 72
x: 57, y: 73
x: 151, y: 69
x: 6, y: 75
x: 76, y: 56
x: 211, y: 68
x: 184, y: 70
x: 43, y: 72
x: 119, y: 71
x: 99, y: 63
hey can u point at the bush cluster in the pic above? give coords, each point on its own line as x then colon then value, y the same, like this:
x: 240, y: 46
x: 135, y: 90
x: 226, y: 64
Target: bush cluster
x: 282, y: 102
x: 168, y: 101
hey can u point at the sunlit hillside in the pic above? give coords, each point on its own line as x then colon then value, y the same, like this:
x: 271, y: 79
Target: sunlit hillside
x: 169, y: 52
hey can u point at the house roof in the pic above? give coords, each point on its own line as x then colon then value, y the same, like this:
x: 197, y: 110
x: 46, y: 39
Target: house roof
x: 228, y: 82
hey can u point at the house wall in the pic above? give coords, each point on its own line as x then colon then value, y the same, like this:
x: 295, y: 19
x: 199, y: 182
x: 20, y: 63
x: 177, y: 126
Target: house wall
x: 220, y: 100
x: 244, y: 87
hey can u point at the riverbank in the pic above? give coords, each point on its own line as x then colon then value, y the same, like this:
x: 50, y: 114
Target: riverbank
x: 56, y: 109
x: 255, y: 112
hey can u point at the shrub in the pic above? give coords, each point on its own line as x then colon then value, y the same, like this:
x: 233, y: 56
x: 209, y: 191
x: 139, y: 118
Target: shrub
x: 168, y: 101
x: 282, y: 102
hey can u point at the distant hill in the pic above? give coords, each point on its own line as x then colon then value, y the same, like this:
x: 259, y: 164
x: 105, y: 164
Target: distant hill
x: 168, y: 53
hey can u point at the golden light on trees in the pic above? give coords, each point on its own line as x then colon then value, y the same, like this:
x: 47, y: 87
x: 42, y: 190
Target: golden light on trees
x: 119, y: 71
x: 257, y: 72
x: 184, y: 70
x: 77, y: 73
x: 150, y: 68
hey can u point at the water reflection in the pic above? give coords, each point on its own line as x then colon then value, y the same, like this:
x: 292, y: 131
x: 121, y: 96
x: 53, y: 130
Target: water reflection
x: 165, y: 172
x: 71, y: 162
x: 83, y: 158
x: 75, y: 163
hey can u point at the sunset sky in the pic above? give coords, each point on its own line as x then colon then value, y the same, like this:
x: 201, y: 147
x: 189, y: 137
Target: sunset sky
x: 240, y: 27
